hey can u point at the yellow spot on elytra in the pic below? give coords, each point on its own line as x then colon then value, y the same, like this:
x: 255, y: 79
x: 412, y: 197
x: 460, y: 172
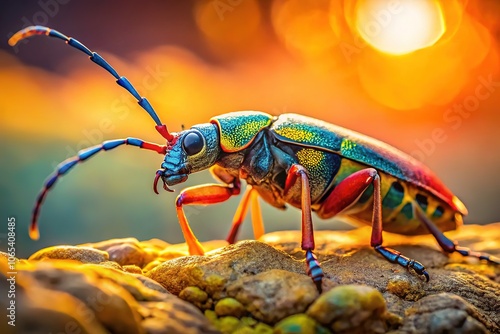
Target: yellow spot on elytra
x: 347, y: 145
x: 310, y: 158
x: 298, y: 135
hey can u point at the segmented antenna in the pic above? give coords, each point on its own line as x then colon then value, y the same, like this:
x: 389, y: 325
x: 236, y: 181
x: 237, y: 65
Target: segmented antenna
x: 96, y: 58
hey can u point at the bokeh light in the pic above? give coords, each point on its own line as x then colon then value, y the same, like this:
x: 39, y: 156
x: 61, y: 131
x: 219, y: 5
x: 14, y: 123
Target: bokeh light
x: 306, y: 30
x: 399, y: 27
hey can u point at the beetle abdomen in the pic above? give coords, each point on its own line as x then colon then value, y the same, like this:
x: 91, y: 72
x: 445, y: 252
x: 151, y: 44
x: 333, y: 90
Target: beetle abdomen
x: 399, y: 202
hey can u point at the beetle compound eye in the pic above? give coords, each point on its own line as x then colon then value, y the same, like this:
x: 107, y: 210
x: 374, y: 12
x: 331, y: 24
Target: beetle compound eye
x: 192, y: 143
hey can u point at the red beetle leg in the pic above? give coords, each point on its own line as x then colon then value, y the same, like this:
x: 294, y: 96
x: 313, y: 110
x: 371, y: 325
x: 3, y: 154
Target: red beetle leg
x: 200, y: 195
x: 346, y: 193
x: 313, y: 267
x: 448, y: 245
x: 294, y: 173
x: 250, y: 198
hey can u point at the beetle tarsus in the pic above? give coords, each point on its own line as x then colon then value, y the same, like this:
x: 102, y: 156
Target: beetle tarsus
x: 481, y: 256
x: 314, y: 269
x: 396, y: 257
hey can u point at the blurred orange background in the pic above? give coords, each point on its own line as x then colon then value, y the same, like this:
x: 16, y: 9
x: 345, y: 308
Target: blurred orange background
x: 421, y: 75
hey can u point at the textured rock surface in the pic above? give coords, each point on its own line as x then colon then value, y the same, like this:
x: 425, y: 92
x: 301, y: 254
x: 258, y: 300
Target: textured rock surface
x: 131, y: 286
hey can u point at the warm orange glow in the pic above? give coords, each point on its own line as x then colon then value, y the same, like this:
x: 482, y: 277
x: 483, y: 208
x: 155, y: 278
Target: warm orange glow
x: 430, y: 76
x: 305, y: 28
x: 399, y: 27
x: 230, y: 27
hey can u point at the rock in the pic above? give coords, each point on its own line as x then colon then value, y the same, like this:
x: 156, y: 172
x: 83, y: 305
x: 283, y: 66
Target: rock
x: 65, y: 314
x: 231, y: 324
x: 45, y: 310
x: 351, y: 309
x: 229, y: 306
x: 174, y: 316
x: 299, y: 323
x: 274, y: 294
x: 138, y: 288
x: 195, y: 296
x: 156, y: 243
x: 127, y: 254
x: 214, y: 271
x: 67, y: 296
x: 130, y: 251
x: 445, y: 313
x: 347, y: 259
x: 151, y: 284
x: 103, y: 297
x: 106, y: 244
x: 132, y: 268
x: 252, y: 286
x: 82, y: 254
x: 405, y: 288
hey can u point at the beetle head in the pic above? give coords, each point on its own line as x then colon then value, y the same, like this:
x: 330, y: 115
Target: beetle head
x: 188, y: 152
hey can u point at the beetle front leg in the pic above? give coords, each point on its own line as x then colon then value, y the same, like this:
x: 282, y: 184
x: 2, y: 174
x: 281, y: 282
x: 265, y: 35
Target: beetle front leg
x: 201, y: 195
x: 451, y: 246
x: 313, y: 267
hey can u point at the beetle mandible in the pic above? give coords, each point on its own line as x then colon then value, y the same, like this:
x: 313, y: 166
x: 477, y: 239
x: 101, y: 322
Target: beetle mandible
x: 289, y: 159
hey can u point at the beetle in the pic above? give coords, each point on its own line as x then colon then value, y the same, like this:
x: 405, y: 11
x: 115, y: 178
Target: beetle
x: 288, y: 159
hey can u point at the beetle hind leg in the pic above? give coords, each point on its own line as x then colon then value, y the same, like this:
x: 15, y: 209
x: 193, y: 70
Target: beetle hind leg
x: 347, y: 192
x: 449, y: 245
x: 250, y: 198
x: 376, y: 239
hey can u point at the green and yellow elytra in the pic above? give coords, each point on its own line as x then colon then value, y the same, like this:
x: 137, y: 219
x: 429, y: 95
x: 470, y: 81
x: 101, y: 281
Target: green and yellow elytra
x: 292, y: 160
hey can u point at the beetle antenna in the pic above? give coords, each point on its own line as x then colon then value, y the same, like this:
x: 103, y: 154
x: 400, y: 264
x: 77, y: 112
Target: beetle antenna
x: 96, y: 58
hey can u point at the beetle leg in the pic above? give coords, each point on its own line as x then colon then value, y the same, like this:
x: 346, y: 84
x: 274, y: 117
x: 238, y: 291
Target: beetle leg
x: 376, y: 238
x: 346, y: 193
x: 250, y: 198
x: 201, y: 195
x: 313, y: 267
x: 257, y: 223
x: 451, y: 246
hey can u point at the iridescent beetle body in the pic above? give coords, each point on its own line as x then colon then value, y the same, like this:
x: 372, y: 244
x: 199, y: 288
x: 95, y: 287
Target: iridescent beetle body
x: 330, y: 154
x: 290, y: 159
